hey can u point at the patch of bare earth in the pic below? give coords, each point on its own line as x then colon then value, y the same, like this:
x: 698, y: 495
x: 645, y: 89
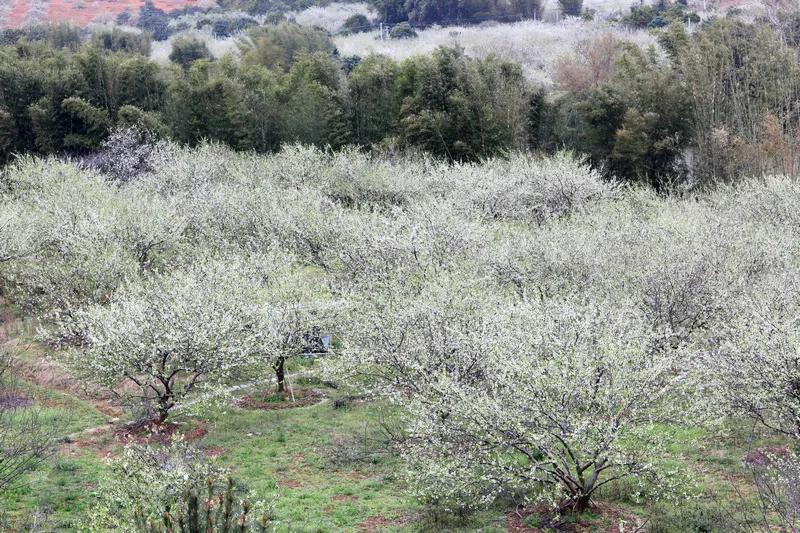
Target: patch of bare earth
x: 764, y: 457
x: 374, y: 524
x: 49, y: 374
x: 290, y: 483
x: 214, y: 451
x: 345, y: 498
x: 98, y: 440
x: 149, y: 432
x: 13, y: 399
x: 607, y: 519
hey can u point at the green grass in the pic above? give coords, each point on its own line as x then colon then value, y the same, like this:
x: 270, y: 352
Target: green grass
x: 63, y: 487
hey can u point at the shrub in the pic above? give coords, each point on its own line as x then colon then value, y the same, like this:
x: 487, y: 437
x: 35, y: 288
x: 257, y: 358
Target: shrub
x: 402, y: 31
x: 571, y: 8
x: 175, y: 362
x: 187, y: 50
x: 356, y: 24
x: 126, y: 154
x: 172, y: 487
x: 116, y: 40
x: 154, y: 20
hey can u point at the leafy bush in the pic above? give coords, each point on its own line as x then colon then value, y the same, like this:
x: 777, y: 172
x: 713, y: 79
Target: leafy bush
x: 356, y: 24
x: 571, y: 8
x: 402, y: 30
x: 154, y: 21
x: 187, y: 50
x: 116, y: 40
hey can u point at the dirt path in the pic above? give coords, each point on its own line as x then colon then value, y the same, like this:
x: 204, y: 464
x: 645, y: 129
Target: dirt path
x: 32, y: 365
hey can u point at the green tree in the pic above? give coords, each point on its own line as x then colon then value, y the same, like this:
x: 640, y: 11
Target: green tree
x: 638, y: 123
x: 314, y: 99
x: 279, y: 46
x: 571, y: 8
x: 741, y: 78
x: 89, y: 124
x: 187, y: 50
x: 374, y: 99
x: 357, y: 23
x: 460, y: 108
x: 199, y: 105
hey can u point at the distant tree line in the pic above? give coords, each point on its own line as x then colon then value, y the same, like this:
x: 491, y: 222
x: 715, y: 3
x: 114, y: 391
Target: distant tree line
x: 721, y: 103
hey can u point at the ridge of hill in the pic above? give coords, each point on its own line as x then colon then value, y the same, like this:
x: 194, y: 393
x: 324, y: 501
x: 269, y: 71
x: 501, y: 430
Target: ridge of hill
x: 18, y: 13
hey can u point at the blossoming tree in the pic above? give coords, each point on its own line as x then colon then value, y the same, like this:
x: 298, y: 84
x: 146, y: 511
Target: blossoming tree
x: 172, y: 335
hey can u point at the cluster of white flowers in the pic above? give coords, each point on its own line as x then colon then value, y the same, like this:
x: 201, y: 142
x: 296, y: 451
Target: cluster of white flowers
x: 534, y: 324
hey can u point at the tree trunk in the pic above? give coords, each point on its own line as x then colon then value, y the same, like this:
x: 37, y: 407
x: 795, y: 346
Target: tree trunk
x: 280, y: 373
x: 581, y: 503
x: 164, y: 405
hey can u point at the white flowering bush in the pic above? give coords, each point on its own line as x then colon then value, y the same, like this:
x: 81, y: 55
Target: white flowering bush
x: 548, y: 400
x: 755, y: 365
x: 531, y: 189
x: 172, y: 335
x: 126, y: 154
x: 532, y: 324
x: 72, y: 255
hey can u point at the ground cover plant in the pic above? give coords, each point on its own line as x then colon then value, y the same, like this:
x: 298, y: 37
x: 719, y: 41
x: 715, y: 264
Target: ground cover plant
x: 515, y: 343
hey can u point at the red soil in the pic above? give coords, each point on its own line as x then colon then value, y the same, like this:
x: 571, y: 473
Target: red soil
x: 80, y: 12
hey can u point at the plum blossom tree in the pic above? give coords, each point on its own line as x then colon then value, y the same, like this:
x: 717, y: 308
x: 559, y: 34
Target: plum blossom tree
x: 554, y: 399
x: 754, y: 367
x: 289, y: 321
x: 15, y: 238
x: 172, y: 335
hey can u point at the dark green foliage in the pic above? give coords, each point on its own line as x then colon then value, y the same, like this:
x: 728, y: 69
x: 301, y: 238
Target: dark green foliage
x: 728, y: 93
x: 267, y: 7
x: 462, y: 109
x: 116, y: 40
x: 199, y: 106
x: 11, y: 35
x: 659, y: 15
x: 61, y: 35
x: 449, y: 12
x: 402, y: 30
x: 356, y: 24
x: 154, y: 20
x: 187, y: 50
x: 132, y: 116
x: 635, y: 126
x: 36, y: 79
x: 375, y: 100
x: 8, y: 132
x: 123, y: 18
x: 213, y: 512
x: 571, y: 8
x: 88, y: 124
x: 221, y: 28
x: 744, y: 82
x: 279, y: 46
x: 225, y: 27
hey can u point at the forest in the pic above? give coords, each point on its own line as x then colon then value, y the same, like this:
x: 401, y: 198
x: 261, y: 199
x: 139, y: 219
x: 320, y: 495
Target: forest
x: 283, y: 288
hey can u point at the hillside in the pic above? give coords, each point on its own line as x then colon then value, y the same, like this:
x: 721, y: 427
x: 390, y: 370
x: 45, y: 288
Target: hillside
x: 16, y: 13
